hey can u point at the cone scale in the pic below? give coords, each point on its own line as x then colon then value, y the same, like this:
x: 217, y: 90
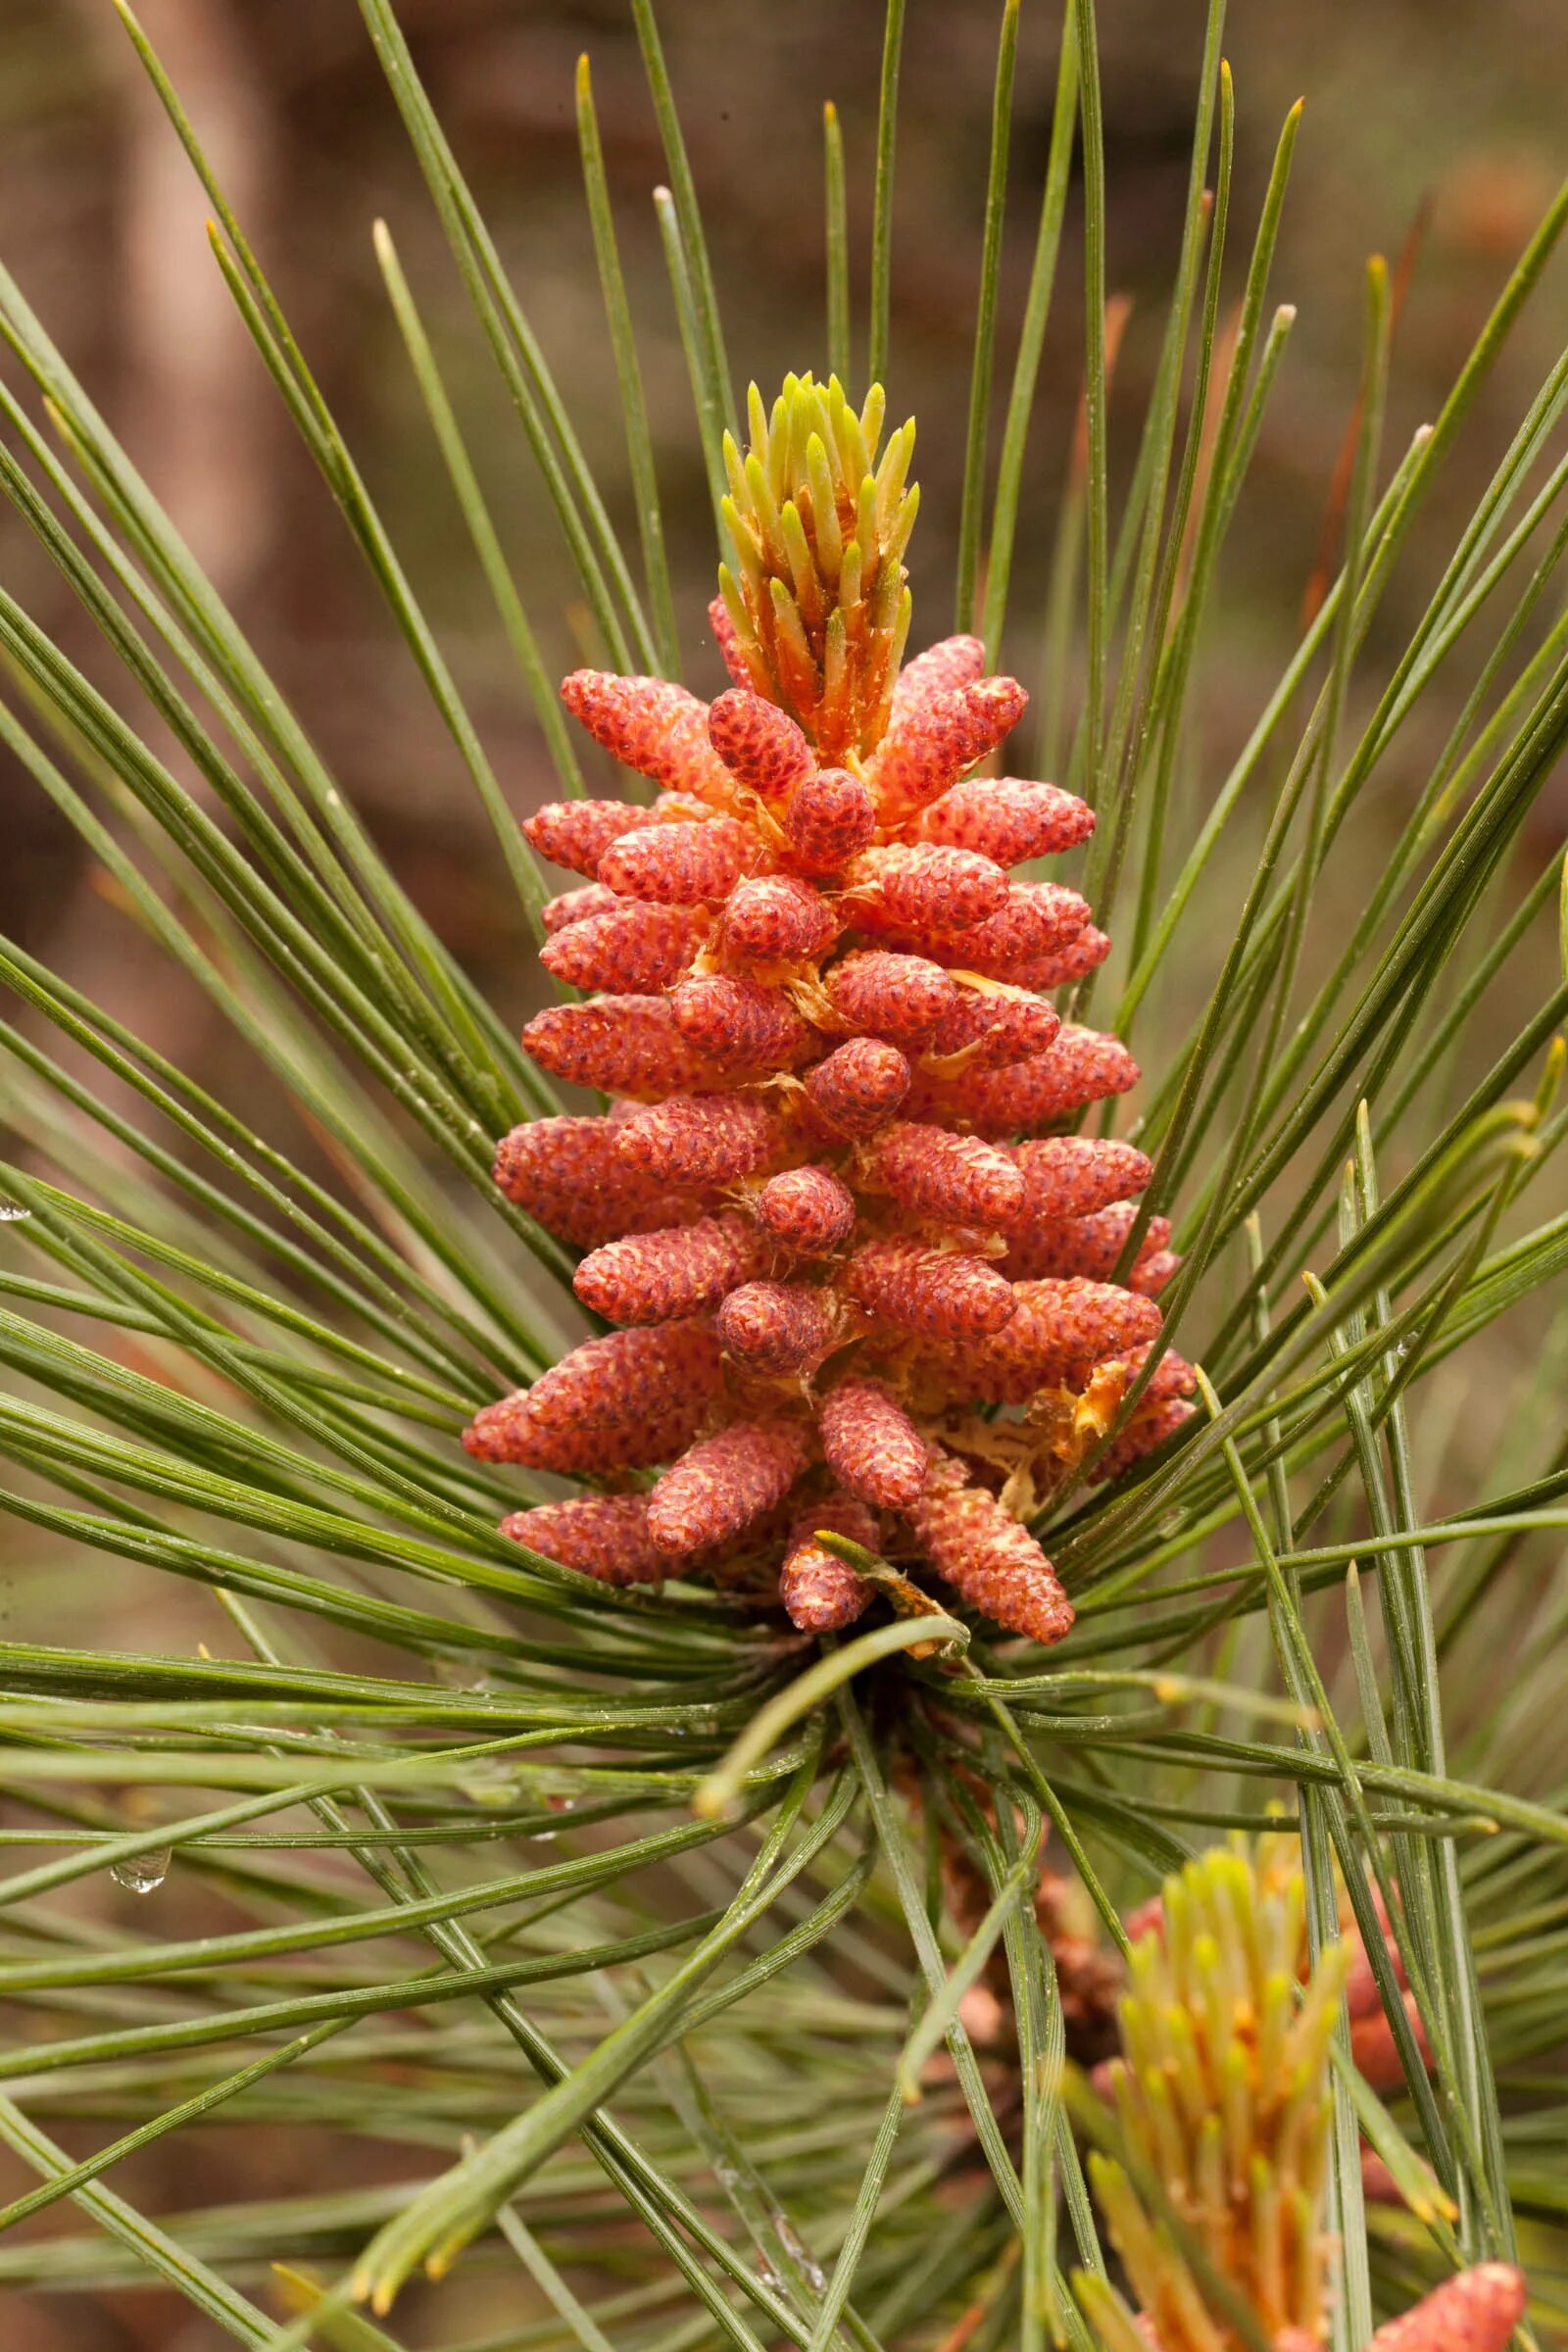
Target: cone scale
x: 818, y: 1012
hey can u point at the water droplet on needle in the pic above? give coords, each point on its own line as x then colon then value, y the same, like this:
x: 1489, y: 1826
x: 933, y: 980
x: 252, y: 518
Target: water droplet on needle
x: 143, y: 1873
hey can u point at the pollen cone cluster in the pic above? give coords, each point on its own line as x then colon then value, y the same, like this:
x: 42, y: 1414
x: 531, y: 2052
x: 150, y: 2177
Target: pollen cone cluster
x: 835, y: 1208
x: 1222, y: 2095
x: 1373, y: 2045
x: 1223, y: 2089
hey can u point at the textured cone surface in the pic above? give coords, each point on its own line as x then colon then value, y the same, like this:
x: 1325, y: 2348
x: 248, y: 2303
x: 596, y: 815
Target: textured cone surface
x: 954, y: 1177
x: 1074, y: 1175
x: 994, y: 1031
x: 620, y: 1044
x: 950, y: 662
x: 628, y: 1377
x: 739, y: 1024
x: 760, y: 744
x: 776, y: 1327
x: 931, y: 746
x: 605, y: 1536
x: 576, y: 833
x: 777, y: 918
x: 820, y: 1017
x: 1082, y: 1066
x: 1149, y: 1427
x: 1034, y: 919
x: 822, y: 1594
x: 859, y: 1086
x: 654, y: 1277
x: 808, y: 1211
x: 698, y: 1138
x: 1058, y: 1328
x: 650, y: 726
x: 929, y: 885
x: 1084, y: 954
x: 626, y: 950
x: 995, y: 1565
x: 575, y: 906
x: 872, y: 1446
x: 1090, y: 1244
x: 721, y: 1486
x: 900, y: 998
x: 1152, y: 1273
x: 509, y: 1431
x: 831, y: 815
x: 676, y: 865
x: 1172, y: 1376
x: 1008, y: 820
x: 937, y: 1291
x: 570, y: 1178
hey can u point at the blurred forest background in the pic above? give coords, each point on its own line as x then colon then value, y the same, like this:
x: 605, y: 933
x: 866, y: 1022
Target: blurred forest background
x: 1432, y: 125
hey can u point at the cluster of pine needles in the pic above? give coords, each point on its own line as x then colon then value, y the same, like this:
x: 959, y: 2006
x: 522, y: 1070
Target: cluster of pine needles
x: 695, y: 1983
